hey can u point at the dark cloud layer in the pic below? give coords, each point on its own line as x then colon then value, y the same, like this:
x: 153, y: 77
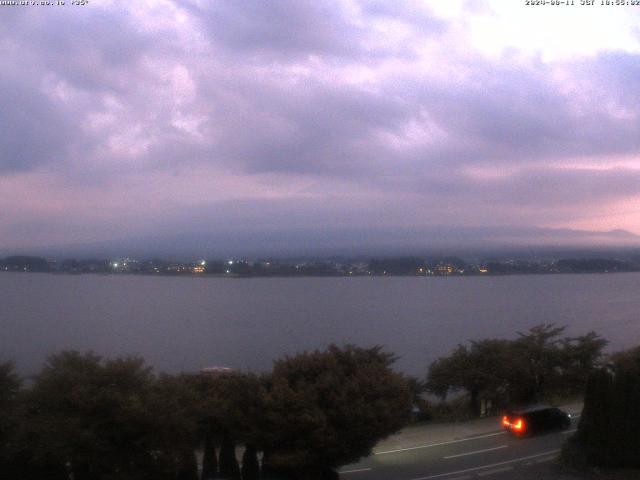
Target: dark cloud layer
x: 285, y: 29
x: 312, y: 104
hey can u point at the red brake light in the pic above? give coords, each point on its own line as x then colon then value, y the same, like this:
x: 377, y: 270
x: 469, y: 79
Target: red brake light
x: 519, y: 425
x: 505, y: 421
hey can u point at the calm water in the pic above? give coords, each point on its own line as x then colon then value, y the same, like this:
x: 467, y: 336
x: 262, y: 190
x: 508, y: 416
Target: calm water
x: 186, y: 323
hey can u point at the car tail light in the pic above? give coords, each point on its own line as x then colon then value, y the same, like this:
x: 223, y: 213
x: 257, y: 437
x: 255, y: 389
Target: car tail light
x: 518, y: 426
x: 505, y: 421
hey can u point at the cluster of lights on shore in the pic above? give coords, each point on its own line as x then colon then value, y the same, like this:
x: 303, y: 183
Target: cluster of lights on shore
x: 202, y: 264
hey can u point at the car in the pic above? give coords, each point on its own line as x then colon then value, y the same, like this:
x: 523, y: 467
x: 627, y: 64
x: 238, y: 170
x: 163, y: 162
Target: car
x: 535, y: 419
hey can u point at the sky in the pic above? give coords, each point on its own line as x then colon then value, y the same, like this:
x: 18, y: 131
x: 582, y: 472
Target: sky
x: 318, y: 122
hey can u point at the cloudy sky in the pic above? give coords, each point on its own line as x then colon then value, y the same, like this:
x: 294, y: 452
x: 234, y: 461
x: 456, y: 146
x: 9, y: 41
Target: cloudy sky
x: 147, y: 119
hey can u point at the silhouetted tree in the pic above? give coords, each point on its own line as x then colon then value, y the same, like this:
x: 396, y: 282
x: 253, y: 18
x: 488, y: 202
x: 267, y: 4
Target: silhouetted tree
x: 175, y: 408
x: 209, y: 459
x: 91, y: 417
x: 230, y: 408
x: 484, y: 369
x: 609, y: 429
x: 9, y: 389
x: 539, y: 360
x: 329, y: 408
x: 229, y: 468
x: 187, y: 466
x: 580, y: 355
x: 527, y: 369
x: 250, y: 465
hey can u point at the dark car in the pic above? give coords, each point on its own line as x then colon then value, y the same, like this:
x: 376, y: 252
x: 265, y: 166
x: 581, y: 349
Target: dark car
x: 533, y: 420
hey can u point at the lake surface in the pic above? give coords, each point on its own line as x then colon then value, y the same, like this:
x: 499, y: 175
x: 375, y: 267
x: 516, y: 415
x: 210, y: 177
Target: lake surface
x: 185, y: 323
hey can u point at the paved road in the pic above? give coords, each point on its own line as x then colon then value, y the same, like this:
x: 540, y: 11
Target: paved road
x: 491, y: 455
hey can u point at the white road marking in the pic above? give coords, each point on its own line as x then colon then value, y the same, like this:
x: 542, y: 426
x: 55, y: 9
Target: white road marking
x: 358, y: 470
x: 494, y: 471
x: 438, y: 444
x: 476, y: 451
x: 567, y: 432
x: 542, y: 460
x: 452, y: 441
x: 464, y: 477
x: 515, y: 460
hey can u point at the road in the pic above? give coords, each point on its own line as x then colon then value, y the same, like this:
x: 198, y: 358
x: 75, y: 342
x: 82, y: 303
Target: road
x: 490, y: 455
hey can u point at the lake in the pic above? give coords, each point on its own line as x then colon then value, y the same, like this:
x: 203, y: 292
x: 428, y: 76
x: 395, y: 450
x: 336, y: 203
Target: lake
x: 185, y: 323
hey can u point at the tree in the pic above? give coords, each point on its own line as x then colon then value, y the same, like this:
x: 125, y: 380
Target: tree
x: 209, y: 459
x: 580, y: 356
x: 539, y: 361
x: 609, y: 430
x: 535, y: 365
x: 9, y: 390
x: 229, y: 468
x: 187, y: 468
x: 89, y: 416
x: 230, y: 406
x: 483, y: 370
x: 329, y: 408
x: 250, y: 465
x: 625, y: 415
x: 175, y: 409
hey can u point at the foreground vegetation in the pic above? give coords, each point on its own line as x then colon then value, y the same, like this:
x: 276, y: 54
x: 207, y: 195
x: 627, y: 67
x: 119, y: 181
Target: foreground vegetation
x: 89, y: 418
x: 539, y: 365
x: 100, y: 419
x: 609, y: 430
x: 542, y: 365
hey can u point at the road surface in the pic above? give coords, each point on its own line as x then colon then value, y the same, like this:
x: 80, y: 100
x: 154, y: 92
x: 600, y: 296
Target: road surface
x: 490, y: 455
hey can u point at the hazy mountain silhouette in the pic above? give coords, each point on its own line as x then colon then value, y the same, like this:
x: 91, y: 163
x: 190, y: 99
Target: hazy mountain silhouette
x: 344, y: 241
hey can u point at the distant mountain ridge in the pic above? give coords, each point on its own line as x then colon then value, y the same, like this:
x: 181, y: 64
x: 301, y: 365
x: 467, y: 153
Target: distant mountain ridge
x: 341, y: 241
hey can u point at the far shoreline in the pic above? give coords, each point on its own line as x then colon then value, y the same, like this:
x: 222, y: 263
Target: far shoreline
x: 240, y: 276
